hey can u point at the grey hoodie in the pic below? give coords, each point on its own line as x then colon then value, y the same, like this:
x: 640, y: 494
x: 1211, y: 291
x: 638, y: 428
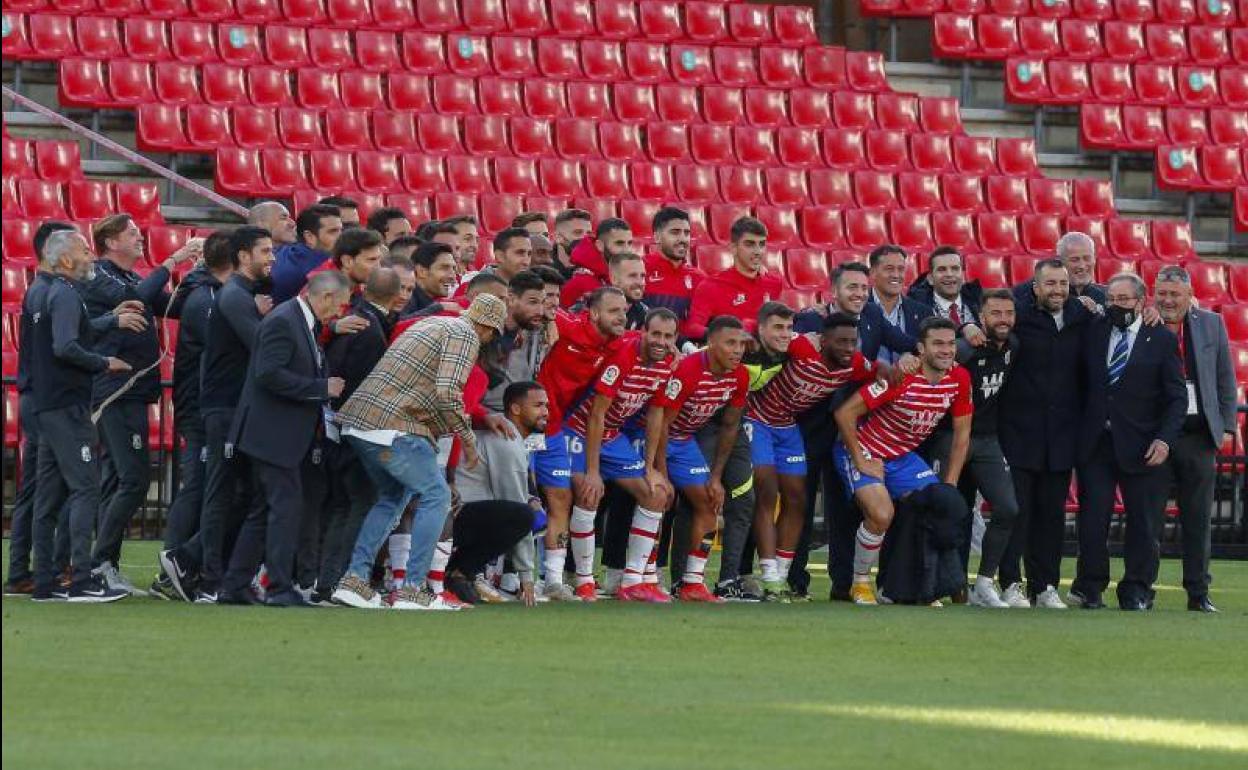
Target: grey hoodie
x: 501, y: 474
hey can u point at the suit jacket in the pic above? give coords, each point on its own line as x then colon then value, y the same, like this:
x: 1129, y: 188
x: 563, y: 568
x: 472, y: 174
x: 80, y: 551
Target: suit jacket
x: 874, y: 331
x: 280, y: 411
x: 1148, y: 402
x: 353, y: 356
x: 1215, y: 375
x: 924, y: 293
x: 1042, y: 400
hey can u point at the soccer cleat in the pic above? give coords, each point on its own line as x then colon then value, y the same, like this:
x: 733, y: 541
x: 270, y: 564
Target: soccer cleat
x: 305, y: 593
x: 24, y: 587
x: 488, y: 593
x: 587, y: 592
x: 660, y: 596
x: 862, y: 593
x: 775, y: 591
x: 115, y: 580
x: 95, y: 591
x: 984, y: 594
x: 176, y: 575
x: 557, y: 592
x: 640, y: 593
x: 461, y: 587
x: 697, y: 592
x: 1048, y: 599
x: 751, y: 588
x: 352, y: 591
x: 735, y: 591
x: 453, y: 601
x: 1016, y: 597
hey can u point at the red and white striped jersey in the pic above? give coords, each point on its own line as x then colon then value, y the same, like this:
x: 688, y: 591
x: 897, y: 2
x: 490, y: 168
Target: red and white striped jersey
x: 629, y: 382
x: 803, y: 381
x: 903, y: 415
x: 698, y: 394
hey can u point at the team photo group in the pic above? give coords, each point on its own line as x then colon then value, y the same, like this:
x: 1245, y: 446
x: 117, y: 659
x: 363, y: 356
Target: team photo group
x: 374, y: 416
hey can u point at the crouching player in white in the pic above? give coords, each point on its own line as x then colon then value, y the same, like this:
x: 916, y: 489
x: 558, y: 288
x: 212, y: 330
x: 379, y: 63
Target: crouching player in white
x: 814, y: 370
x: 600, y: 452
x: 877, y: 460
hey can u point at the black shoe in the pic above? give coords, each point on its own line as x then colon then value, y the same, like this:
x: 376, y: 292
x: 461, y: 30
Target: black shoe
x: 243, y: 598
x: 1135, y: 605
x: 735, y: 591
x: 839, y: 595
x: 94, y: 591
x: 1089, y: 601
x: 462, y: 588
x: 162, y: 588
x: 20, y: 587
x: 322, y: 598
x: 178, y: 575
x: 54, y: 594
x: 288, y: 598
x: 1200, y: 604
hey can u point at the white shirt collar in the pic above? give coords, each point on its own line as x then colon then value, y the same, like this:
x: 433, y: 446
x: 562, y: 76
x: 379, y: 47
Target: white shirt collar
x: 308, y: 316
x: 943, y: 304
x: 1134, y: 328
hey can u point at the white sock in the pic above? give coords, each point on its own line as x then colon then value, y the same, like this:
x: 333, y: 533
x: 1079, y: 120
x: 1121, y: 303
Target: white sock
x: 642, y: 538
x: 400, y: 550
x: 555, y: 558
x: 866, y: 553
x: 509, y: 582
x: 581, y: 528
x: 983, y: 581
x: 695, y: 563
x: 770, y: 572
x: 437, y: 567
x: 651, y: 575
x: 784, y: 561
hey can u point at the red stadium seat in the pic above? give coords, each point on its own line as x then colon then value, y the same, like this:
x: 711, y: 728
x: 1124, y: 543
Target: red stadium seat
x: 286, y: 46
x: 940, y: 115
x: 1100, y: 125
x: 576, y: 139
x: 1111, y: 81
x: 284, y: 172
x: 997, y: 36
x: 88, y: 199
x: 300, y: 129
x: 16, y: 240
x: 422, y: 174
x: 41, y: 199
x: 558, y: 59
x: 786, y: 187
x: 1221, y: 12
x: 1186, y: 125
x: 864, y: 71
x: 912, y: 230
x: 317, y: 89
x: 962, y: 192
x: 651, y: 181
x: 865, y: 230
x: 1238, y: 280
x: 711, y: 145
x: 527, y: 17
x: 591, y: 101
x: 361, y: 90
x: 158, y: 128
x: 720, y: 218
x: 513, y: 57
x: 130, y: 82
x: 720, y: 104
x: 749, y: 24
x: 779, y: 67
x: 239, y: 44
x: 331, y: 170
x: 886, y: 151
x: 1006, y: 194
x: 58, y: 161
x: 1125, y: 41
x: 1209, y: 284
x: 874, y: 190
x: 573, y: 18
x: 1040, y: 233
x: 255, y: 127
x: 405, y: 91
x: 304, y: 13
x: 990, y: 271
x: 349, y: 13
x: 531, y: 138
x: 1107, y: 267
x: 617, y: 19
x: 733, y: 66
x: 1038, y: 37
x: 705, y: 22
x: 176, y: 83
x: 1234, y: 86
x: 14, y: 284
x: 192, y: 41
x: 1154, y: 84
x: 695, y: 184
x: 224, y: 85
x: 1176, y: 168
x: 499, y: 96
x: 1198, y: 86
x: 809, y: 107
x: 438, y: 15
x: 741, y: 185
x: 712, y: 259
x: 1228, y: 126
x: 844, y: 148
x: 1207, y: 45
x: 640, y: 215
x: 1143, y: 126
x: 236, y: 172
x: 647, y: 63
x: 1081, y: 39
x: 919, y: 192
x: 898, y: 112
x: 824, y: 66
x: 831, y: 187
x: 448, y: 204
x: 799, y: 147
x: 438, y: 134
x: 423, y: 52
x: 1068, y: 81
x: 454, y: 94
x: 793, y: 25
x: 347, y: 130
x: 483, y: 16
x: 1176, y: 11
x: 98, y: 37
x: 81, y: 84
x: 1236, y: 318
x: 1129, y: 238
x: 269, y: 87
x: 516, y: 176
x: 376, y: 51
x: 52, y: 36
x: 545, y: 99
x: 468, y: 175
x: 485, y: 135
x: 1017, y: 157
x: 468, y: 56
x: 806, y: 269
x: 1239, y: 42
x: 667, y: 142
x: 1093, y: 227
x: 821, y: 227
x: 660, y: 20
x: 1026, y: 81
x: 953, y: 36
x: 1172, y: 240
x: 931, y: 152
x: 679, y: 103
x: 635, y: 103
x: 766, y: 107
x: 974, y: 155
x: 560, y: 178
x: 603, y: 60
x: 781, y: 224
x: 1050, y: 196
x: 622, y: 142
x: 998, y: 233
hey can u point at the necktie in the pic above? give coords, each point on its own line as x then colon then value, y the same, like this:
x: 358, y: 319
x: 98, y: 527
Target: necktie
x: 1118, y: 361
x: 954, y: 315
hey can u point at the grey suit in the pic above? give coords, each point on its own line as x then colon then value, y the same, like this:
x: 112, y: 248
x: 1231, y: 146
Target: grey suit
x: 1193, y: 457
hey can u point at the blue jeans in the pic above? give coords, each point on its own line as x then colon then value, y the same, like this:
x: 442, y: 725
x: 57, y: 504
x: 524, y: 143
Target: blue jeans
x: 407, y: 469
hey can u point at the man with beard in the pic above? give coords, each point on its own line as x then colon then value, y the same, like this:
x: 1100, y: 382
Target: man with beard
x: 1077, y: 253
x: 465, y: 228
x: 435, y: 278
x: 571, y: 226
x: 274, y: 217
x: 670, y: 279
x: 945, y: 290
x: 628, y: 274
x: 590, y: 256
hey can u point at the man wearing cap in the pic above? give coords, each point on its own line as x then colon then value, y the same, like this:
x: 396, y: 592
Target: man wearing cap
x: 413, y: 397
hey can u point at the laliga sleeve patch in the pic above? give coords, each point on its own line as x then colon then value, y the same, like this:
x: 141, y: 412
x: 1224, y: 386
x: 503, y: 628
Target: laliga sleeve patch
x: 877, y: 389
x: 610, y: 374
x: 673, y: 389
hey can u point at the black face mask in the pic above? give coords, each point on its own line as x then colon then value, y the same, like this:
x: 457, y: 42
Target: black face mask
x: 1120, y: 317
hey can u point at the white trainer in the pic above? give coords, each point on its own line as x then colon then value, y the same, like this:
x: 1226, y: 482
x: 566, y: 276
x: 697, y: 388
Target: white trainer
x: 984, y: 594
x: 558, y: 592
x: 353, y: 591
x: 1016, y: 597
x: 1049, y: 599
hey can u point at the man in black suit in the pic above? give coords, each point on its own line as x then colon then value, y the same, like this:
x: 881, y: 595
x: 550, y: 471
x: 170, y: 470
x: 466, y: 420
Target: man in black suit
x: 1134, y: 409
x: 1039, y: 422
x: 282, y: 411
x: 1077, y: 253
x: 888, y: 275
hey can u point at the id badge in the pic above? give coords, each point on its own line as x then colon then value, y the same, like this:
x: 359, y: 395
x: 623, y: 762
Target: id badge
x: 1191, y: 397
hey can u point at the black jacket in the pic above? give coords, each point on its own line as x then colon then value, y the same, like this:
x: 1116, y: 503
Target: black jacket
x: 353, y: 356
x: 1026, y: 292
x: 989, y: 367
x: 32, y: 306
x: 874, y: 331
x: 62, y: 362
x: 227, y: 348
x: 112, y: 286
x: 923, y: 292
x: 192, y: 306
x: 1148, y: 402
x: 280, y: 412
x: 1042, y: 401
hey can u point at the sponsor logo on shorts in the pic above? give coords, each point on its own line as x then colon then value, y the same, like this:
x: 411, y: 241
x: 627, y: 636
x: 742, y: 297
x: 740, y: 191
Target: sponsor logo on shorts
x: 635, y: 466
x: 700, y: 470
x: 795, y: 459
x: 559, y: 473
x: 924, y: 474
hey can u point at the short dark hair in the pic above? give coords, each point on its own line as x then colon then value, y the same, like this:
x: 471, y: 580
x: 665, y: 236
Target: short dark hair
x: 934, y: 323
x: 568, y: 215
x: 774, y: 309
x: 668, y: 214
x: 481, y: 279
x: 595, y: 297
x: 661, y: 314
x: 879, y: 252
x: 460, y: 219
x: 943, y: 251
x: 528, y: 218
x: 427, y: 253
x: 723, y: 322
x: 338, y: 202
x: 217, y: 252
x: 549, y: 275
x: 624, y: 256
x: 424, y: 230
x: 404, y: 242
x: 838, y: 320
x: 526, y: 280
x: 380, y: 219
x: 1047, y: 263
x: 609, y: 225
x: 354, y: 241
x: 506, y: 235
x: 109, y: 227
x: 246, y: 237
x: 398, y: 262
x: 309, y: 220
x: 46, y: 229
x: 849, y: 267
x: 747, y: 226
x: 518, y: 391
x: 1005, y: 295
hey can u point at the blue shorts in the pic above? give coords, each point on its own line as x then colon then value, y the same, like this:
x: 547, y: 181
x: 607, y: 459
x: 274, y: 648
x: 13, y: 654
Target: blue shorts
x: 617, y: 460
x: 781, y: 448
x: 686, y: 466
x: 551, y: 465
x: 903, y: 475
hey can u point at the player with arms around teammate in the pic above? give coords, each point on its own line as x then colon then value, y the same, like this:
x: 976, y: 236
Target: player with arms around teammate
x: 877, y: 460
x: 702, y: 383
x: 600, y: 452
x: 816, y: 368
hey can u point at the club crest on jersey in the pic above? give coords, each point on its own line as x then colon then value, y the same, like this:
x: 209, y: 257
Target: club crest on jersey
x: 85, y: 453
x: 673, y: 388
x: 739, y: 299
x: 610, y: 374
x: 991, y: 384
x: 688, y: 282
x: 136, y: 441
x: 877, y: 388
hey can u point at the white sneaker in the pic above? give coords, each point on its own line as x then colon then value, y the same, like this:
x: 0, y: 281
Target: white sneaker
x: 352, y: 591
x: 114, y: 579
x: 409, y: 598
x: 1048, y: 599
x: 1016, y: 597
x: 984, y: 594
x: 558, y: 592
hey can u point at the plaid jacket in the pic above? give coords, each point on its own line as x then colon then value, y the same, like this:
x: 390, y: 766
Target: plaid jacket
x: 418, y: 385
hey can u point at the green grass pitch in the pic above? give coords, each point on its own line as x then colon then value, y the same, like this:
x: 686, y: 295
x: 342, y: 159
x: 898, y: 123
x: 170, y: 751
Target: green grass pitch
x: 147, y: 684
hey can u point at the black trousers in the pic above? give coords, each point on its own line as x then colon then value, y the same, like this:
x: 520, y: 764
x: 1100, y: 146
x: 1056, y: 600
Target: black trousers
x: 24, y: 505
x: 618, y: 506
x: 269, y: 535
x: 69, y: 478
x: 485, y: 530
x: 1192, y: 468
x: 1144, y: 500
x: 986, y: 472
x: 1041, y: 499
x: 182, y: 519
x: 314, y: 521
x: 738, y: 513
x: 351, y: 495
x: 125, y: 473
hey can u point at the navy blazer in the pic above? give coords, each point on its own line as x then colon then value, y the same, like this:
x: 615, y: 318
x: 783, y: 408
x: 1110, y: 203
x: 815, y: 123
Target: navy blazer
x: 280, y: 411
x: 874, y: 331
x: 1148, y: 402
